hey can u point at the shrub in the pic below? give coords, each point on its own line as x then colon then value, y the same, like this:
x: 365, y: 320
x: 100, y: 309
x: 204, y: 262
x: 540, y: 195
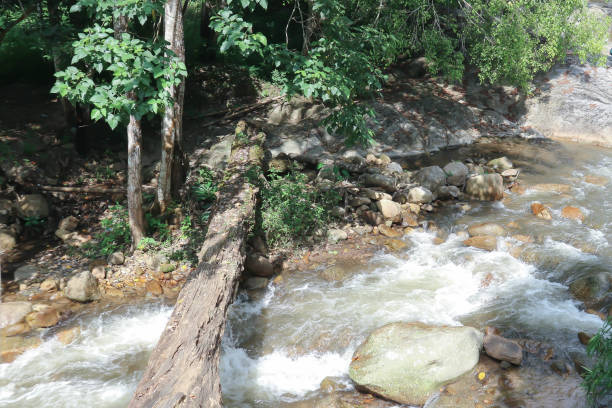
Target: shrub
x: 291, y: 210
x: 598, y: 380
x: 116, y: 232
x: 205, y: 186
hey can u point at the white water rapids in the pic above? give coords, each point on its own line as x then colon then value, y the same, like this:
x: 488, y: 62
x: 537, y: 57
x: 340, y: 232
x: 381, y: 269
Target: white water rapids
x: 283, y: 342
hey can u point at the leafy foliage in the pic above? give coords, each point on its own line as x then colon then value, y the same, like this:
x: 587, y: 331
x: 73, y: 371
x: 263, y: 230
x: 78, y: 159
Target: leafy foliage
x: 115, y: 235
x: 205, y: 186
x: 291, y: 210
x: 598, y: 380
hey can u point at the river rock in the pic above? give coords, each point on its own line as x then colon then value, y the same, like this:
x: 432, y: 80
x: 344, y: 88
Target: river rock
x: 15, y: 329
x: 69, y: 223
x: 456, y: 173
x: 486, y: 242
x: 409, y: 219
x: 7, y: 241
x: 448, y: 192
x: 334, y: 235
x: 26, y: 272
x: 420, y: 195
x: 408, y: 362
x: 395, y: 245
x: 500, y: 164
x: 541, y: 211
x: 48, y: 285
x: 259, y: 265
x: 573, y: 213
x: 431, y: 177
x: 379, y: 180
x: 13, y: 347
x: 486, y: 187
x: 359, y: 201
x: 503, y: 349
x: 597, y: 180
x: 389, y: 209
x: 153, y: 287
x: 67, y: 336
x: 552, y: 188
x: 487, y: 228
x: 389, y: 232
x: 584, y: 338
x: 47, y: 317
x: 372, y: 218
x: 116, y: 258
x: 394, y: 167
x: 589, y: 289
x: 256, y: 283
x: 375, y: 195
x: 82, y: 287
x: 13, y: 312
x: 33, y: 206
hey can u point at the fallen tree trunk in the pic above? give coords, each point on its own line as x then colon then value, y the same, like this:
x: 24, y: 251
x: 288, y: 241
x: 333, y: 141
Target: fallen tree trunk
x: 183, y: 368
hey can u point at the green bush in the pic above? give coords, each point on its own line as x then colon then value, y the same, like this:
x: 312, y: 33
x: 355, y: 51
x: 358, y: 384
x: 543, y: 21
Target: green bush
x: 598, y: 380
x: 205, y: 186
x: 291, y: 210
x: 115, y: 235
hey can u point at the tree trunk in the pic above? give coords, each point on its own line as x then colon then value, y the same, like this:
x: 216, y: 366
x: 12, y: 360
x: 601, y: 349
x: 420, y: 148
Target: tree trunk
x: 134, y: 181
x: 172, y: 122
x: 58, y: 61
x: 183, y: 368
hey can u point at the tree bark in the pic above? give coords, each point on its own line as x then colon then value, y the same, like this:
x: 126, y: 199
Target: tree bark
x: 183, y: 368
x: 172, y: 121
x: 134, y: 181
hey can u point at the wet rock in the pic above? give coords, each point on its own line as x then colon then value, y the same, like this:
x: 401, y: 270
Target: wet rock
x: 13, y: 312
x: 448, y: 192
x: 487, y: 228
x: 335, y: 235
x: 408, y: 362
x: 584, y: 338
x: 486, y: 242
x: 485, y: 187
x: 331, y: 384
x: 13, y: 347
x: 15, y: 330
x: 541, y: 211
x: 26, y: 272
x: 456, y: 173
x: 394, y: 168
x: 500, y: 164
x: 503, y: 349
x: 409, y: 219
x: 389, y: 209
x: 259, y: 265
x: 153, y: 287
x: 372, y: 218
x: 420, y: 195
x: 7, y: 241
x: 256, y: 283
x: 573, y: 213
x: 48, y: 285
x: 597, y: 180
x: 389, y: 232
x: 395, y: 245
x: 552, y: 188
x: 68, y: 224
x: 32, y: 206
x: 67, y: 336
x: 589, y: 289
x: 45, y: 318
x: 379, y: 180
x: 562, y: 368
x: 431, y: 177
x: 82, y: 288
x: 116, y: 258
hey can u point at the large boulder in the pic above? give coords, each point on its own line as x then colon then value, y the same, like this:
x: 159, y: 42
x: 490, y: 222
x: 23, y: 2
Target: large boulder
x: 82, y: 287
x: 259, y: 265
x: 13, y: 312
x: 389, y: 209
x: 486, y: 187
x: 379, y: 180
x: 33, y: 206
x: 486, y: 242
x: 407, y: 362
x: 456, y: 172
x: 431, y: 177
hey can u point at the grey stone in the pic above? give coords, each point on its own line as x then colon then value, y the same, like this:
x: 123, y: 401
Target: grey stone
x: 431, y: 177
x: 26, y: 272
x: 259, y: 265
x: 448, y: 192
x: 82, y: 287
x: 7, y: 242
x: 503, y: 349
x: 394, y: 167
x: 379, y: 180
x: 116, y: 258
x: 335, y: 235
x: 33, y: 206
x: 13, y: 312
x: 420, y: 195
x: 408, y: 362
x: 389, y: 209
x: 256, y: 283
x: 456, y: 172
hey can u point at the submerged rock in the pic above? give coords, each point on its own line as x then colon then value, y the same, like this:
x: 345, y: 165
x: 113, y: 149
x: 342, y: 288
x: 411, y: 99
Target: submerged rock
x: 541, y: 211
x: 407, y: 362
x: 486, y: 242
x: 485, y: 187
x: 487, y: 228
x: 503, y: 349
x: 572, y: 213
x: 13, y: 312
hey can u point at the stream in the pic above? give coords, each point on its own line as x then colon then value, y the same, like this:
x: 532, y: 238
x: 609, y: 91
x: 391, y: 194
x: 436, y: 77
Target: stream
x: 281, y: 342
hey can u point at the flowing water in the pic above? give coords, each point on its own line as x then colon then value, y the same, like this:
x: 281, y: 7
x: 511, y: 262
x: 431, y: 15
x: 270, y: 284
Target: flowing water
x: 282, y: 342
